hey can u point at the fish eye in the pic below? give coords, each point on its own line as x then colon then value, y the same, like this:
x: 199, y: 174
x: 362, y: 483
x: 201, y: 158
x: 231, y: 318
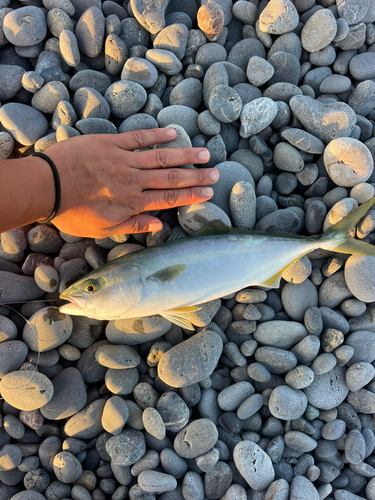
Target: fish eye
x: 91, y: 286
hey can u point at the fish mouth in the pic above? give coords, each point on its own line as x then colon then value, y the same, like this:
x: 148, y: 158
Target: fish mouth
x: 76, y: 303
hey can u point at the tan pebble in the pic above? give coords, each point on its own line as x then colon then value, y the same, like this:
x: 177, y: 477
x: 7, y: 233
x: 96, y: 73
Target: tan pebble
x: 210, y: 19
x: 33, y: 419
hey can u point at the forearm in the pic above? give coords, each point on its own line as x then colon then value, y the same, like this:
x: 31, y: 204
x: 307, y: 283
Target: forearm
x: 27, y: 192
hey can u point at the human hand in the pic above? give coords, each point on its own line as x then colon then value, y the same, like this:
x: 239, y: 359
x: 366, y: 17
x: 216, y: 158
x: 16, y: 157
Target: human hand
x: 106, y: 185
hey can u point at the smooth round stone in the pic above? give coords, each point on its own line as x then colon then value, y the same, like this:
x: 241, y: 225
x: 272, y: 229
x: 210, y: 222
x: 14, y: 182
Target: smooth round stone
x: 298, y: 298
x: 153, y: 423
x: 46, y: 329
x: 303, y: 140
x: 196, y: 438
x: 6, y: 145
x: 287, y: 68
x: 90, y: 31
x: 363, y: 343
x: 140, y: 121
x: 58, y: 21
x: 230, y: 398
x: 325, y: 121
x: 188, y: 93
x: 10, y: 80
x: 69, y: 395
x: 358, y: 375
x: 250, y: 406
x: 89, y: 103
x: 28, y: 495
x: 47, y: 98
x: 302, y: 487
x: 328, y: 390
x: 184, y: 116
x: 89, y: 126
x: 173, y: 38
x: 352, y: 11
x: 165, y: 60
x: 12, y: 354
x: 225, y: 104
x: 334, y: 84
x: 319, y: 30
x: 254, y: 465
x: 286, y: 403
x: 258, y: 70
x: 173, y: 410
x: 25, y: 26
x: 276, y: 360
x: 280, y: 220
x: 90, y: 78
x: 123, y: 381
x: 355, y: 447
x: 69, y: 352
x: 66, y: 467
x: 359, y: 276
x: 116, y: 54
x: 278, y: 17
x: 17, y: 119
x: 256, y: 116
x: 287, y: 158
x: 191, y: 361
x: 216, y: 148
x: 64, y: 114
x: 8, y: 329
x: 125, y: 98
x: 279, y: 333
x: 242, y: 205
x: 26, y: 390
x: 153, y: 481
x: 47, y: 278
x: 194, y: 217
x: 231, y: 172
x: 300, y: 377
x: 210, y: 53
x: 117, y: 356
x: 348, y: 161
x: 207, y: 123
x: 245, y: 11
x: 362, y: 99
x: 10, y: 457
x: 140, y: 71
x: 86, y: 424
x: 362, y: 401
x: 210, y: 19
x: 299, y: 441
x: 361, y: 66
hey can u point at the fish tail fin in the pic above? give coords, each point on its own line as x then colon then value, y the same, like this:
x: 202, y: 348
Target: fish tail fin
x: 337, y: 237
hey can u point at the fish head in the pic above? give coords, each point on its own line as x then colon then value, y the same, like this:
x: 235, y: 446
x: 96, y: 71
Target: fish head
x: 104, y: 294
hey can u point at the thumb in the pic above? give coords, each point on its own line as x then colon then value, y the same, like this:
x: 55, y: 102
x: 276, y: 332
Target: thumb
x: 141, y: 223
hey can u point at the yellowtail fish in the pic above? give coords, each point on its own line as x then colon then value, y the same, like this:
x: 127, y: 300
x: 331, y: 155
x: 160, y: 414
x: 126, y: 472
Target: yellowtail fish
x: 172, y: 278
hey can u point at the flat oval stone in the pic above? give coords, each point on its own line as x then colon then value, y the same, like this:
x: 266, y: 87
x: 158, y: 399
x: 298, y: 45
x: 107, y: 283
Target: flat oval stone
x: 173, y: 38
x: 126, y: 448
x: 328, y: 390
x: 165, y: 60
x: 125, y: 98
x: 194, y: 217
x: 286, y: 403
x: 47, y: 98
x: 12, y: 354
x: 25, y: 26
x: 24, y: 123
x: 140, y: 71
x: 10, y: 80
x: 348, y: 161
x: 278, y: 333
x: 256, y: 116
x: 135, y: 331
x: 196, y: 438
x: 319, y: 30
x: 89, y: 103
x: 66, y: 467
x: 254, y: 465
x: 191, y: 361
x: 183, y: 116
x: 353, y: 11
x: 90, y: 31
x: 225, y: 104
x: 14, y: 287
x: 26, y: 390
x: 153, y: 481
x: 117, y: 356
x: 69, y: 395
x: 303, y: 140
x: 86, y: 424
x: 46, y: 329
x: 324, y: 121
x: 90, y: 78
x: 278, y: 17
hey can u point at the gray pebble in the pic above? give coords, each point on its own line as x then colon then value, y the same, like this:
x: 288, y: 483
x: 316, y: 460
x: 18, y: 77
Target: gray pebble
x: 258, y: 71
x: 303, y: 140
x: 187, y: 93
x: 282, y: 334
x: 126, y: 448
x: 173, y: 38
x: 86, y: 423
x: 301, y: 486
x: 192, y: 486
x: 363, y: 343
x: 174, y: 411
x: 125, y: 98
x: 165, y: 60
x: 358, y: 375
x: 47, y: 329
x: 26, y: 390
x: 90, y: 31
x: 319, y: 31
x: 88, y: 103
x: 66, y: 467
x: 286, y: 403
x: 355, y: 447
x: 153, y: 481
x: 173, y: 464
x: 258, y: 470
x: 25, y: 26
x: 299, y: 377
x: 175, y: 367
x: 225, y: 104
x: 121, y: 381
x: 140, y: 71
x: 15, y: 118
x: 197, y: 438
x: 117, y: 356
x: 90, y: 78
x: 96, y: 126
x: 329, y: 390
x: 256, y: 116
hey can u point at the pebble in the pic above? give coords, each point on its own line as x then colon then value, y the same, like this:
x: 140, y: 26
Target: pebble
x: 286, y: 403
x: 117, y: 356
x: 15, y: 118
x: 358, y: 276
x: 303, y: 140
x: 319, y: 31
x: 47, y: 329
x: 328, y: 390
x: 210, y: 19
x: 174, y: 367
x: 125, y: 92
x: 256, y: 116
x: 66, y: 467
x: 254, y: 465
x: 279, y: 16
x: 25, y: 26
x: 196, y: 438
x: 26, y: 390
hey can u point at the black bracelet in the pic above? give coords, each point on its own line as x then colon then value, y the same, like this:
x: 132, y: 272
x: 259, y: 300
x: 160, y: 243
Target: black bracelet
x: 57, y: 187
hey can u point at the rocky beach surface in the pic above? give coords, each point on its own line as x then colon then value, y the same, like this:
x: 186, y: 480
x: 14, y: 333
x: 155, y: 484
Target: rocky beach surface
x: 273, y: 396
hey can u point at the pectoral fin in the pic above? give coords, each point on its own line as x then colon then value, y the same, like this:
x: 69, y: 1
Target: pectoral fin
x: 273, y: 281
x: 168, y: 273
x: 179, y: 316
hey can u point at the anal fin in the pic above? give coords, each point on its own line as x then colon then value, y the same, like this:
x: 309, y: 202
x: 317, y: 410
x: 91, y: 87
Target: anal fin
x: 179, y: 316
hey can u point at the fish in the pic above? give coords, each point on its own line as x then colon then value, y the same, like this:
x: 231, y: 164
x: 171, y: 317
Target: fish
x: 173, y: 279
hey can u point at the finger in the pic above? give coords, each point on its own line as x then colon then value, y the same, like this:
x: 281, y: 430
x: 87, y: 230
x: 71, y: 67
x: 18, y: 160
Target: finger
x: 173, y: 178
x: 141, y: 223
x: 142, y: 138
x: 169, y: 198
x: 165, y: 157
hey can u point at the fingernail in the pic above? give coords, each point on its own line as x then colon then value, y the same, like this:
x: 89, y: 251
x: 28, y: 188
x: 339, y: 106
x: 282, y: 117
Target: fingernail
x: 170, y: 132
x: 214, y: 175
x: 207, y: 191
x: 154, y: 227
x: 204, y: 155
